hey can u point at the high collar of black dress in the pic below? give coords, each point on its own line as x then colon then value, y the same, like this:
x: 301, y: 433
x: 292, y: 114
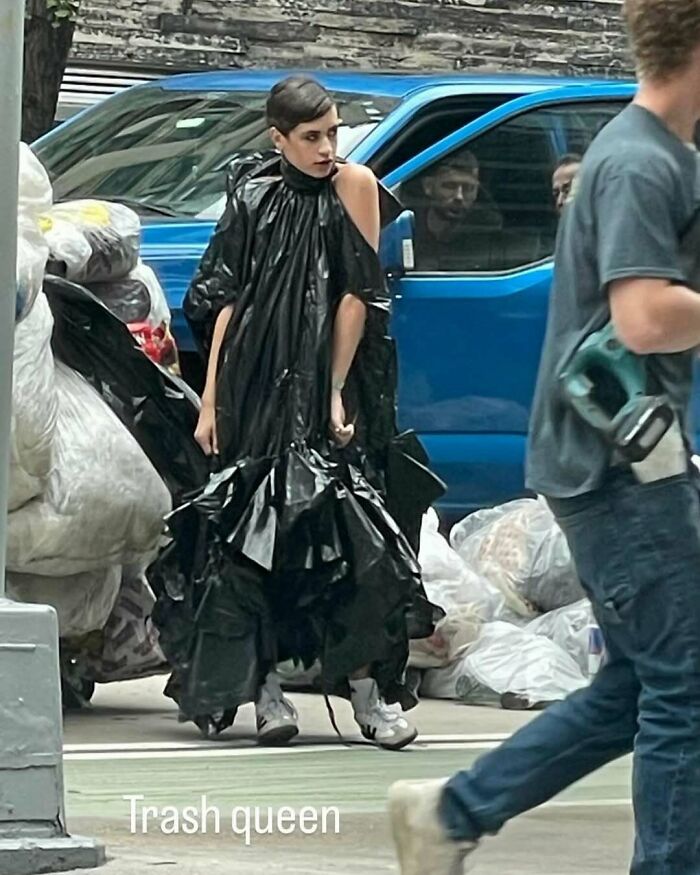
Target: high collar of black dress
x: 302, y: 182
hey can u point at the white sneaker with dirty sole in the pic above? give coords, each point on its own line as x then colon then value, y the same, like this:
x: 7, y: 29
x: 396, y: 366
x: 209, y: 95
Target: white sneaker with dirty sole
x: 383, y: 724
x: 276, y: 717
x: 422, y: 845
x: 386, y: 727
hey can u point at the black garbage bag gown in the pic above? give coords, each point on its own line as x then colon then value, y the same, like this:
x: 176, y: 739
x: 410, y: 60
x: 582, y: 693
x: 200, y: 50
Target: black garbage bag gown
x: 295, y: 548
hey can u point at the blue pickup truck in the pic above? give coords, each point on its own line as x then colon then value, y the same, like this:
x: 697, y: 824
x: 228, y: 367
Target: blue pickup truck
x: 470, y: 283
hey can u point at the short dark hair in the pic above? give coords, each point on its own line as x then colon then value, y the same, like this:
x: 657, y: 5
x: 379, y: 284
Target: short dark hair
x: 464, y: 161
x: 568, y: 159
x: 295, y: 101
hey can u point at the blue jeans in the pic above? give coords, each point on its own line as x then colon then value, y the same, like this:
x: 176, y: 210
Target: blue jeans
x: 637, y: 552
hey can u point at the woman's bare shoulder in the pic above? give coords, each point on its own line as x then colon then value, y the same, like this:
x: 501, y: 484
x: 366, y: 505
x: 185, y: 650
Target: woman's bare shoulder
x: 355, y: 175
x: 358, y: 190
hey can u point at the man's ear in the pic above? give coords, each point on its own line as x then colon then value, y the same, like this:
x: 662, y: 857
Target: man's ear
x: 427, y: 186
x: 277, y: 138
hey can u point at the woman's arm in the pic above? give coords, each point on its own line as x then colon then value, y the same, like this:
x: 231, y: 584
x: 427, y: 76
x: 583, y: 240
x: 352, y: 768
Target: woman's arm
x: 205, y: 433
x: 357, y: 188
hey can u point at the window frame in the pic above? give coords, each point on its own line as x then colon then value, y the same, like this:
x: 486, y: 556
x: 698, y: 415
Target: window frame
x: 608, y: 93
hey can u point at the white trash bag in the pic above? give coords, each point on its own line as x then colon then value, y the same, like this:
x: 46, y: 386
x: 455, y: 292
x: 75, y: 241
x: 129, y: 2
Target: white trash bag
x: 441, y: 683
x: 449, y: 582
x: 520, y: 549
x: 452, y: 636
x: 507, y: 659
x: 83, y: 602
x: 112, y: 232
x: 35, y: 196
x: 130, y: 647
x: 104, y: 502
x: 35, y: 193
x: 34, y: 406
x: 68, y: 247
x: 575, y: 630
x: 32, y: 254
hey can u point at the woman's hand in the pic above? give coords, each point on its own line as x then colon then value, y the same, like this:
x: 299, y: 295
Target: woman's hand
x: 205, y: 433
x: 341, y: 433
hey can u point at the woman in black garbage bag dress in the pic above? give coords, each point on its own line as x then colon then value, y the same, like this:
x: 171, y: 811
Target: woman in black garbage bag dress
x: 303, y: 545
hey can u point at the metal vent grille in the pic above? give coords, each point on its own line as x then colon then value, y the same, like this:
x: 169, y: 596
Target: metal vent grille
x: 84, y: 86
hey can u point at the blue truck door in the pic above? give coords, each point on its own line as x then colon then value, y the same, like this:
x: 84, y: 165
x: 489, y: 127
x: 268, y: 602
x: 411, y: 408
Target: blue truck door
x: 469, y: 315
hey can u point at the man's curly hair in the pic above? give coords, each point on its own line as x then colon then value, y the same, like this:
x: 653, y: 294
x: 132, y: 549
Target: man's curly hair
x: 664, y: 35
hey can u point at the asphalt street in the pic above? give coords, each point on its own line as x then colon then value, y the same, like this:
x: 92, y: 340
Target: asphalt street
x: 152, y: 791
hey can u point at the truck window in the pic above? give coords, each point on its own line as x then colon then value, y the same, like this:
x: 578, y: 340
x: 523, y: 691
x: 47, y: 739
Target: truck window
x: 489, y: 205
x: 431, y: 124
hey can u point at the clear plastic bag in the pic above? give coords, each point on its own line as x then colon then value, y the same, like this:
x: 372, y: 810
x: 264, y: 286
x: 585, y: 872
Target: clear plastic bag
x: 83, y: 602
x: 32, y: 254
x: 449, y: 582
x: 34, y: 406
x: 507, y: 659
x: 68, y: 247
x: 159, y: 313
x: 112, y: 232
x: 34, y: 194
x: 34, y: 198
x: 441, y: 683
x: 520, y: 549
x: 103, y: 504
x: 571, y: 628
x: 137, y: 297
x: 453, y: 635
x: 130, y: 646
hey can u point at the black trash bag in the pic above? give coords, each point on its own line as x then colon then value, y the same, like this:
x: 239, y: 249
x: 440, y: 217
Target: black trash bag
x: 158, y: 409
x: 128, y: 298
x: 290, y: 552
x: 411, y: 487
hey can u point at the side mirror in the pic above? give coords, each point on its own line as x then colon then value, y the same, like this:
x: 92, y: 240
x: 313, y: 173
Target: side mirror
x: 396, y: 245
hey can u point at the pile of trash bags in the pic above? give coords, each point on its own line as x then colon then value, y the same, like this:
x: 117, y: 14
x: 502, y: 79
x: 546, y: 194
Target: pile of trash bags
x: 100, y: 434
x: 96, y: 244
x: 518, y: 631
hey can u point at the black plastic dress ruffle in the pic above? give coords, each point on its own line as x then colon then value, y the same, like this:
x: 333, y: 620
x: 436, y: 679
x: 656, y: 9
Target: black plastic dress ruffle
x: 294, y: 549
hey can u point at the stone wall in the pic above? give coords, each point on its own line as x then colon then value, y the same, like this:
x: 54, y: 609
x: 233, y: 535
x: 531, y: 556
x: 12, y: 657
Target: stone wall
x: 570, y: 36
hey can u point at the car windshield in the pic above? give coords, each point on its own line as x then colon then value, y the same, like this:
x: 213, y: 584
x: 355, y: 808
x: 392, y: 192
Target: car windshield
x: 166, y: 151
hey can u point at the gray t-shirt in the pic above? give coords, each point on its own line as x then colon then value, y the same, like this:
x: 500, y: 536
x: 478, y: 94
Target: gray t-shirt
x: 634, y: 213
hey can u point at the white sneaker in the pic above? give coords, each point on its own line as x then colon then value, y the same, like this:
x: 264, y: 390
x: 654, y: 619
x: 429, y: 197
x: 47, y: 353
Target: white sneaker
x: 379, y: 722
x: 422, y: 846
x: 276, y: 717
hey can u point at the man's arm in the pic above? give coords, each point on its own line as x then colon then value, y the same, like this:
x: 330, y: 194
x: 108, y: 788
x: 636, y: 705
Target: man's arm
x: 655, y: 316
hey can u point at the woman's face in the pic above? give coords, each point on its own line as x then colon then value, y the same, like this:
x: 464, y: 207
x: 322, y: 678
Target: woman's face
x: 311, y: 147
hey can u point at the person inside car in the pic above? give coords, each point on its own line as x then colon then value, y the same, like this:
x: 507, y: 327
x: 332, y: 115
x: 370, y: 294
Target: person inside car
x: 455, y: 218
x: 563, y: 179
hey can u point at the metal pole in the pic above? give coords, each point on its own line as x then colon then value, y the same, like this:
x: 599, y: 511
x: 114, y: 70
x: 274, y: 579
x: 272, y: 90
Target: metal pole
x: 11, y: 55
x: 33, y: 837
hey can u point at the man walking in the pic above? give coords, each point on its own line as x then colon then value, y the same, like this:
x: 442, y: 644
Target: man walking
x: 634, y: 531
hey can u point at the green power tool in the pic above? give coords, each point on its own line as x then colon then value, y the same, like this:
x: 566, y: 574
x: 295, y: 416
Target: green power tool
x: 606, y: 385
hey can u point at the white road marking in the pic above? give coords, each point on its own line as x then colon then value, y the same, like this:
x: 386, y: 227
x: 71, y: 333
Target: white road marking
x: 446, y: 742
x: 587, y: 803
